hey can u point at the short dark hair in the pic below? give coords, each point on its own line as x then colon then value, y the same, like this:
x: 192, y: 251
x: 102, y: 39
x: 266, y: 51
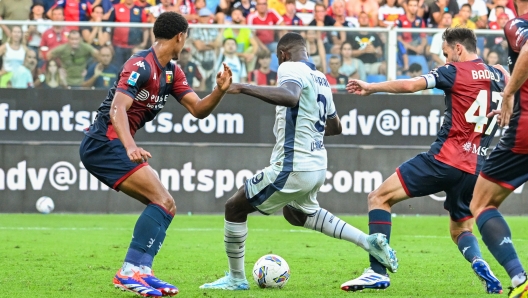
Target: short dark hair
x: 466, y: 5
x: 229, y: 38
x: 290, y: 40
x: 415, y: 67
x: 336, y: 57
x: 463, y: 36
x: 169, y: 24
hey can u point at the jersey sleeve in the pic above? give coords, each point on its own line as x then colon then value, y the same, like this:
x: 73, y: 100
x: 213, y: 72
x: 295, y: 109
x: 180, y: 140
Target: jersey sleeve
x: 331, y: 112
x: 135, y: 74
x: 516, y: 31
x: 180, y: 87
x: 441, y: 77
x: 287, y: 73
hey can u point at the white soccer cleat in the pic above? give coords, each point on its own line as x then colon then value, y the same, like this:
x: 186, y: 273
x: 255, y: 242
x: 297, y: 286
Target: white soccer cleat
x: 227, y: 283
x: 380, y: 249
x: 368, y: 280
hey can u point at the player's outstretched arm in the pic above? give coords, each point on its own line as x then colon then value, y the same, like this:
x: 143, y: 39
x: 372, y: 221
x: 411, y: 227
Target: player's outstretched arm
x: 518, y: 77
x: 119, y: 119
x: 202, y: 107
x: 362, y: 88
x: 287, y: 94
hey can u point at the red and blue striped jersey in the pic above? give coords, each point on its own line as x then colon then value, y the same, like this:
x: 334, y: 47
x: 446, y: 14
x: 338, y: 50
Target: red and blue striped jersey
x: 472, y: 90
x: 515, y: 137
x: 75, y: 10
x: 126, y: 37
x: 149, y: 83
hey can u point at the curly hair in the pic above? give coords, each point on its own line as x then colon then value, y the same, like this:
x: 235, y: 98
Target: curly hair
x: 170, y: 24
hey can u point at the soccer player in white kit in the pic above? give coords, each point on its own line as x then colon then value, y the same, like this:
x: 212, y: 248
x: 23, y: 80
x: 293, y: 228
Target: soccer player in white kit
x: 305, y: 113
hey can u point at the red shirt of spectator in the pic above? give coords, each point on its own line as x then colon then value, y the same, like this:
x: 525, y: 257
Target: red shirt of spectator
x: 187, y: 9
x: 264, y: 16
x: 52, y: 38
x: 404, y: 22
x: 75, y: 10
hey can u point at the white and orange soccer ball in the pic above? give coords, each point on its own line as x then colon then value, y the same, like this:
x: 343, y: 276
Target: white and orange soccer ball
x: 271, y: 271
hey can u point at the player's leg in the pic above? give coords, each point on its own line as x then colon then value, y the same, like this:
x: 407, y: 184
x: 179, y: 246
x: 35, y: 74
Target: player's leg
x: 502, y: 173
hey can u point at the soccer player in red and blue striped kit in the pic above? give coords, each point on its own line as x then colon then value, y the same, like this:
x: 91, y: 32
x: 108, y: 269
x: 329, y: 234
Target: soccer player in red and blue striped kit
x: 109, y: 152
x: 507, y: 166
x: 472, y: 90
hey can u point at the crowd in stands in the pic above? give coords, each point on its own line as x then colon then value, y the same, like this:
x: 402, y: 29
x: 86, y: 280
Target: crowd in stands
x: 45, y: 56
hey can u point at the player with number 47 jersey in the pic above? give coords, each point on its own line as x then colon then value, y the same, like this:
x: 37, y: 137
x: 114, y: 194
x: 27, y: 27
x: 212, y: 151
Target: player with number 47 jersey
x: 472, y: 90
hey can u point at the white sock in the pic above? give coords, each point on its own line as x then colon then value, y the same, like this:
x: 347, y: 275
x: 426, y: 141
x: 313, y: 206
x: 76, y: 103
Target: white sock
x: 145, y: 270
x: 129, y: 269
x: 518, y: 279
x: 235, y: 235
x: 325, y: 222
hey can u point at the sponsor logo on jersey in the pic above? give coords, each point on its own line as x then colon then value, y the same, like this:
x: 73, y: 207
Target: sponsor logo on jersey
x: 140, y: 64
x: 142, y: 95
x: 168, y: 76
x: 132, y: 79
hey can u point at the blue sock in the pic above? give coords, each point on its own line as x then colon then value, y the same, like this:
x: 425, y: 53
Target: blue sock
x: 149, y: 224
x: 468, y: 246
x: 497, y: 236
x: 380, y: 221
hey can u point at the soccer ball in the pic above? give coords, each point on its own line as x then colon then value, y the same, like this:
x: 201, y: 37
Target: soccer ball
x: 45, y: 205
x: 271, y: 271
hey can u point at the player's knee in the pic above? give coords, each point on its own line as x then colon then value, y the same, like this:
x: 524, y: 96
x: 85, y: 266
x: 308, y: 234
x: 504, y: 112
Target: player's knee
x: 169, y: 204
x: 295, y: 218
x: 455, y: 233
x: 376, y: 200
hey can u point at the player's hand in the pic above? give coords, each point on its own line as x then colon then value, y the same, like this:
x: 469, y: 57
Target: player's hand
x: 358, y: 87
x: 224, y: 78
x: 504, y: 72
x: 138, y: 155
x: 506, y: 110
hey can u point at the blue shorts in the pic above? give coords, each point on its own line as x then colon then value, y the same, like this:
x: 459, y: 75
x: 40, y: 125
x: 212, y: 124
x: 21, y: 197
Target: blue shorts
x: 424, y: 175
x: 107, y: 161
x: 506, y: 168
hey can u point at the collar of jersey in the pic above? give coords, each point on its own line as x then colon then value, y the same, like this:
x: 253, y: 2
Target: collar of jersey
x: 309, y: 64
x: 156, y: 58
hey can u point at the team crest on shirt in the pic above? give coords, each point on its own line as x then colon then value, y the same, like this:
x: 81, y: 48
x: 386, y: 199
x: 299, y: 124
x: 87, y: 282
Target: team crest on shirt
x: 83, y: 6
x: 132, y: 79
x: 136, y: 11
x: 168, y: 77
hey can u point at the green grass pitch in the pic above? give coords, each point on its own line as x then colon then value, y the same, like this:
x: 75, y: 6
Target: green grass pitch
x: 67, y: 255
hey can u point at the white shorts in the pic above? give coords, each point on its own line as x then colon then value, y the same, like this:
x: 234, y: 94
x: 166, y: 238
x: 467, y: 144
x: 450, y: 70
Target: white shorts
x: 270, y: 190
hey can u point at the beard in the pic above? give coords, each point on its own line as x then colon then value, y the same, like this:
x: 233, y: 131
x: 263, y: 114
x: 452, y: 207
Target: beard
x: 237, y: 22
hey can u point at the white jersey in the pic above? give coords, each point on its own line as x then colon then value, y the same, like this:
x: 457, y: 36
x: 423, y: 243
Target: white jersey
x: 300, y: 130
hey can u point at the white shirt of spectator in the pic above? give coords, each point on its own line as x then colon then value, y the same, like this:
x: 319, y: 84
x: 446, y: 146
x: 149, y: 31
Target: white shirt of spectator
x: 386, y: 10
x: 493, y: 16
x: 237, y: 68
x: 35, y: 38
x: 13, y: 58
x: 156, y: 10
x: 436, y: 46
x: 478, y: 8
x: 305, y: 11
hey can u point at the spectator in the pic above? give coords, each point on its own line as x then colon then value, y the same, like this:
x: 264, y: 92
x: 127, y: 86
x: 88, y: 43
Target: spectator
x: 402, y: 59
x: 498, y: 43
x: 74, y: 11
x: 492, y: 58
x: 462, y: 19
x: 479, y: 12
x: 338, y: 12
x: 439, y: 8
x: 246, y: 6
x: 389, y: 13
x: 191, y: 71
x: 290, y: 16
x: 278, y: 6
x: 269, y: 17
x: 370, y: 7
x: 502, y: 4
x: 366, y: 46
x: 351, y: 67
x: 14, y: 51
x: 22, y: 75
x: 305, y: 9
x: 436, y: 51
x: 498, y: 10
x: 415, y: 70
x: 33, y: 33
x: 74, y: 57
x: 263, y: 75
x: 321, y: 19
x: 102, y: 74
x: 414, y: 43
x: 163, y: 6
x: 54, y: 36
x: 205, y: 45
x: 13, y: 10
x: 336, y: 80
x: 96, y: 36
x: 229, y: 57
x: 188, y: 10
x: 125, y: 39
x: 52, y: 76
x: 316, y: 49
x: 248, y: 45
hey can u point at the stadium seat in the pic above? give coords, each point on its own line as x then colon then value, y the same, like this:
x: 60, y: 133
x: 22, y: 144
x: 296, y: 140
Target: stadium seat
x: 402, y: 77
x: 274, y: 66
x: 376, y: 78
x: 420, y: 60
